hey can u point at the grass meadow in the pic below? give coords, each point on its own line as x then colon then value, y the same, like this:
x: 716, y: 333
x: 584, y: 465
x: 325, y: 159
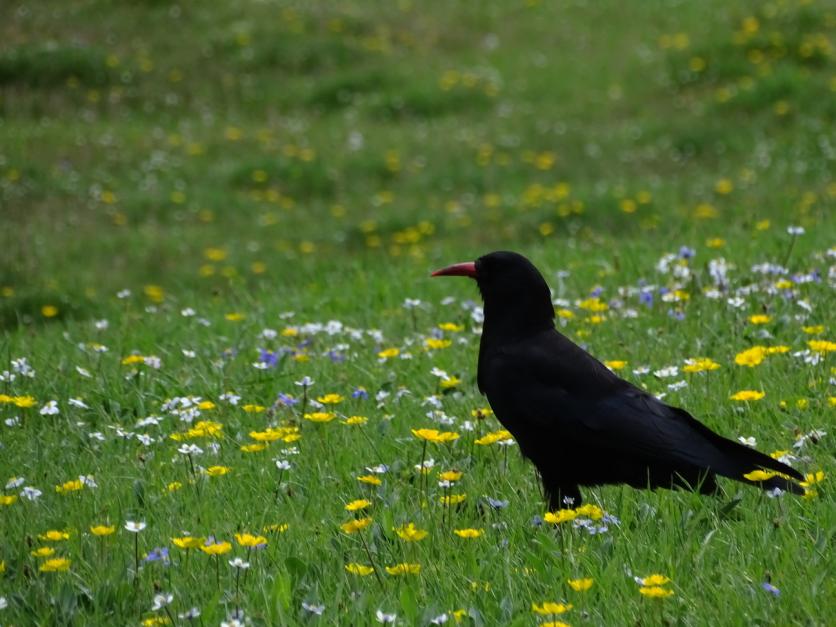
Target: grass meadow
x: 229, y: 392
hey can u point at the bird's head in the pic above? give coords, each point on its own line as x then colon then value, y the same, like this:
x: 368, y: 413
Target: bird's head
x: 515, y: 293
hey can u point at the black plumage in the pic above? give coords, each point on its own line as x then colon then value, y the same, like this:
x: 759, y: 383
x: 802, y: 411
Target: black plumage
x: 577, y: 421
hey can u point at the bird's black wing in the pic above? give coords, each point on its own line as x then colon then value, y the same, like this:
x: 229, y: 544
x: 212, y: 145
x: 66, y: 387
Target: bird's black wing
x: 558, y: 388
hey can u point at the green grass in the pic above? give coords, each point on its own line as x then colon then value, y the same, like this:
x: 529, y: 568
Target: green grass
x: 270, y: 157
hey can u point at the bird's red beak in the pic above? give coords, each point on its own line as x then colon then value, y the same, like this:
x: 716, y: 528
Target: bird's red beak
x: 468, y: 268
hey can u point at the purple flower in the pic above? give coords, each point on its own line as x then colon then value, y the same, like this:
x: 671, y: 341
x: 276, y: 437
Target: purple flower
x: 646, y: 298
x: 597, y: 292
x: 270, y: 358
x: 771, y: 589
x: 159, y: 554
x: 676, y: 314
x: 336, y: 357
x: 360, y: 393
x: 286, y: 399
x: 686, y: 253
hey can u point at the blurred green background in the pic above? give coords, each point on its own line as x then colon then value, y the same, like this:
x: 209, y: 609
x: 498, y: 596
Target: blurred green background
x: 227, y: 148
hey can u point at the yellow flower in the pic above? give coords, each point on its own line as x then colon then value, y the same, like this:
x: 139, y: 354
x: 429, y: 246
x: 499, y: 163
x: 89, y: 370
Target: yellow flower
x: 404, y: 569
x: 433, y: 435
x: 188, y: 542
x: 822, y: 346
x: 133, y: 359
x: 566, y: 314
x: 590, y: 511
x: 49, y: 311
x: 253, y: 448
x: 452, y: 327
x: 760, y: 319
x: 355, y: 420
x: 253, y: 409
x: 812, y: 478
x: 655, y: 592
x: 8, y: 499
x: 450, y: 382
x: 700, y: 364
x: 450, y: 475
x: 218, y: 548
x: 54, y: 535
x: 615, y: 364
x: 388, y: 353
x: 760, y: 475
x: 452, y: 499
x: 369, y: 479
x: 55, y: 565
x: 715, y: 242
x: 432, y: 343
x: 234, y: 316
x: 482, y: 412
x: 772, y: 350
x: 359, y: 569
x: 174, y: 486
x: 249, y: 540
x: 154, y: 292
x: 813, y: 330
x: 204, y: 405
x: 290, y: 332
x: 44, y: 551
x: 580, y: 585
x: 353, y: 526
x: 330, y: 399
x: 410, y: 532
x: 655, y: 580
x: 217, y: 471
x: 560, y: 516
x: 358, y: 504
x: 549, y: 607
x: 24, y: 401
x: 277, y: 528
x: 593, y: 304
x: 750, y: 357
x: 469, y: 533
x: 493, y: 437
x: 320, y: 416
x: 69, y: 486
x: 747, y: 395
x: 103, y: 530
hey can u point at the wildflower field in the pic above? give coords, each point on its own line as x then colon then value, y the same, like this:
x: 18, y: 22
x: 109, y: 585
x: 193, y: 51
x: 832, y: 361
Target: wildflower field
x: 231, y: 394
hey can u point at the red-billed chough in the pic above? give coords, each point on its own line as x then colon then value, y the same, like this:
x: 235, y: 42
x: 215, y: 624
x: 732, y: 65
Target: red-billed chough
x: 578, y: 422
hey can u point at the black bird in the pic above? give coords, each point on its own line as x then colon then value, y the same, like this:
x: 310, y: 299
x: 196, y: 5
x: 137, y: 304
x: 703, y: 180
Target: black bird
x: 579, y: 423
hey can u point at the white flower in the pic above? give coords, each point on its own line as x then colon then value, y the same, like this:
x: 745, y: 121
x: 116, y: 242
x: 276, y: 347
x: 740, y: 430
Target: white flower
x: 260, y: 365
x: 30, y: 493
x: 189, y: 354
x: 747, y: 441
x: 101, y: 325
x: 382, y: 617
x: 239, y: 563
x: 669, y: 371
x: 135, y: 526
x: 380, y: 469
x: 88, y: 480
x: 230, y: 398
x: 305, y: 382
x: 145, y: 439
x: 313, y: 609
x: 439, y: 373
x: 123, y: 293
x: 3, y: 603
x: 152, y: 361
x: 411, y: 303
x: 190, y: 449
x: 795, y: 230
x: 673, y: 387
x: 190, y: 614
x: 96, y: 435
x: 7, y: 377
x: 282, y: 464
x: 15, y: 482
x: 440, y: 619
x: 736, y: 302
x: 161, y: 600
x: 188, y: 312
x: 269, y: 334
x: 77, y: 402
x: 12, y: 422
x: 50, y: 409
